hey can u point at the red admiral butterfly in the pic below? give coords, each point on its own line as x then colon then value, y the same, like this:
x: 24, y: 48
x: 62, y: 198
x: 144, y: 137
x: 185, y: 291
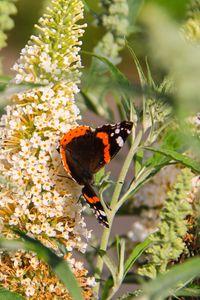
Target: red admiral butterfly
x: 84, y: 151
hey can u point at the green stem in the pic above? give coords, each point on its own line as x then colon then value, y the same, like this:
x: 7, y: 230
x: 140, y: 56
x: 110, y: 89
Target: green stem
x: 143, y: 176
x: 112, y: 212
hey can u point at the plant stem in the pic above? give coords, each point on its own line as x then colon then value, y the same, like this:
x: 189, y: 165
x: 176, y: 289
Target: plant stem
x: 141, y: 179
x: 113, y: 204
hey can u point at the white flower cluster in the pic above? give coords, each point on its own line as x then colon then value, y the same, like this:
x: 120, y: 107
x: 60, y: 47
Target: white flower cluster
x: 37, y: 196
x: 27, y: 271
x: 41, y: 202
x: 116, y: 23
x: 53, y: 55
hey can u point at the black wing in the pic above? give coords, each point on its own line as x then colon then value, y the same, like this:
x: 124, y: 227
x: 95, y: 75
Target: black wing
x: 84, y: 154
x: 87, y: 154
x: 94, y: 202
x: 117, y: 134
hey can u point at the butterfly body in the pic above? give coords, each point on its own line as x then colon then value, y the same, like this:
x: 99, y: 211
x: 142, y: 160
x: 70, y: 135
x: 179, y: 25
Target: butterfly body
x: 84, y: 151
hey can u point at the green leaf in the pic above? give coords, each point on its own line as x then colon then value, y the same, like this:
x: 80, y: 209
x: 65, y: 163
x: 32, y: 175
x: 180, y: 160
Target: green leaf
x: 134, y: 8
x: 173, y: 140
x: 118, y: 77
x: 135, y: 254
x: 106, y: 288
x: 142, y: 77
x: 138, y: 161
x: 188, y: 292
x: 162, y: 286
x: 7, y: 295
x: 99, y: 176
x: 89, y: 103
x: 4, y: 80
x: 121, y: 252
x: 178, y: 157
x: 110, y: 264
x: 118, y: 245
x: 58, y: 265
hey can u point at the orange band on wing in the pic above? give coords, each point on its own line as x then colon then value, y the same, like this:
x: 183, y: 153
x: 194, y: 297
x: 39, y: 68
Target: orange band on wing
x: 92, y: 200
x: 105, y: 140
x: 64, y: 160
x: 73, y: 133
x: 67, y: 138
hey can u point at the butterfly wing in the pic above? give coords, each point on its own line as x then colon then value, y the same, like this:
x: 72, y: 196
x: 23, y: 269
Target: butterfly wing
x: 81, y: 153
x: 113, y: 137
x: 94, y: 202
x: 85, y: 151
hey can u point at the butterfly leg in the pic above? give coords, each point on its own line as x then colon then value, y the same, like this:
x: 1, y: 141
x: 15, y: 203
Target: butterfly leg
x: 65, y: 176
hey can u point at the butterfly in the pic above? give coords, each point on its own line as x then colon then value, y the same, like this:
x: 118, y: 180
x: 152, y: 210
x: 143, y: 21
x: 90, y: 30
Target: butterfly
x: 84, y: 151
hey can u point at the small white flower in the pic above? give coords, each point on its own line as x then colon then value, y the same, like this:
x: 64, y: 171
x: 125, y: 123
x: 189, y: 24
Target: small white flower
x: 45, y: 226
x: 18, y: 212
x: 91, y: 281
x: 32, y: 217
x: 34, y: 262
x: 50, y: 232
x: 35, y: 190
x: 50, y: 212
x: 37, y: 201
x: 13, y: 221
x: 19, y: 78
x: 47, y: 93
x: 47, y: 198
x: 30, y: 291
x: 36, y: 229
x: 20, y: 272
x: 60, y: 226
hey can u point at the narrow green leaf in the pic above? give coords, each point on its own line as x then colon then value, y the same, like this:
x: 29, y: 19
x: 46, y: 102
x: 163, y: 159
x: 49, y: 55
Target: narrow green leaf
x: 142, y: 77
x: 173, y: 140
x: 5, y: 78
x: 7, y: 295
x: 4, y: 81
x: 188, y: 292
x: 150, y: 80
x: 110, y: 264
x: 118, y: 245
x: 89, y: 103
x: 138, y: 161
x: 99, y: 176
x: 135, y: 254
x: 58, y: 265
x: 106, y: 288
x: 134, y: 8
x: 162, y: 286
x: 118, y: 77
x: 178, y: 157
x: 121, y: 261
x: 116, y: 73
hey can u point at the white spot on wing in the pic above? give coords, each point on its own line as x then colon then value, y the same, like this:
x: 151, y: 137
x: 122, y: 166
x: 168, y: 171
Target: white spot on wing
x: 117, y: 130
x: 120, y: 141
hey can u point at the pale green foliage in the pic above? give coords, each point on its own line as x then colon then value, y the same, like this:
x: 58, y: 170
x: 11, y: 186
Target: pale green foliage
x: 157, y: 113
x: 173, y: 54
x: 115, y: 21
x: 192, y: 26
x: 193, y: 10
x: 168, y: 243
